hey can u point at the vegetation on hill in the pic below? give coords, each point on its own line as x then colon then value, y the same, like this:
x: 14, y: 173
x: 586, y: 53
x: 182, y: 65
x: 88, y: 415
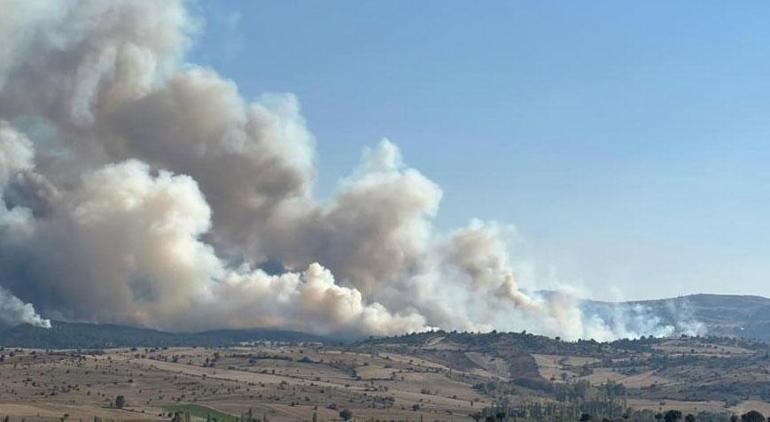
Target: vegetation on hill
x: 67, y: 335
x: 720, y: 315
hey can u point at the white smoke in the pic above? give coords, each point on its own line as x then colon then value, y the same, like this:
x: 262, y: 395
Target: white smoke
x: 15, y: 158
x: 141, y: 189
x: 13, y: 311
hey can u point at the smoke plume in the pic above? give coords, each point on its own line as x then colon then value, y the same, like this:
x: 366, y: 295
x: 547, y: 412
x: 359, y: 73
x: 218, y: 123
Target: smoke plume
x: 138, y: 188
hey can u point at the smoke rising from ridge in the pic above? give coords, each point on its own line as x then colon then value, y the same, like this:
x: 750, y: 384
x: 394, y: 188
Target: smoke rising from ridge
x: 138, y: 188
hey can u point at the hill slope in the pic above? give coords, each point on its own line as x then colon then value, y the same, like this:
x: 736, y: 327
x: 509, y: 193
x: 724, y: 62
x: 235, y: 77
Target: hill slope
x: 84, y: 336
x: 721, y: 315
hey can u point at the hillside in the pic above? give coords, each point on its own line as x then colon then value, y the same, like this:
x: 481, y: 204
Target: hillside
x: 708, y: 376
x: 84, y: 336
x: 435, y: 375
x: 721, y: 315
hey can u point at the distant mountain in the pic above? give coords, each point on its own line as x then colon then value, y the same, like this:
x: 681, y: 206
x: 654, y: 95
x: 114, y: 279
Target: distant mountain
x: 731, y: 315
x: 721, y: 315
x: 70, y: 335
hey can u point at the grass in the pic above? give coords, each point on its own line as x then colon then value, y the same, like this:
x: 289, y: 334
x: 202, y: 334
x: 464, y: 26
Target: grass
x: 203, y: 412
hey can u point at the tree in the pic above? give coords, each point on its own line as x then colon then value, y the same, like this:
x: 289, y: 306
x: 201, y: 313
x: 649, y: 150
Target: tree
x: 120, y: 402
x: 672, y: 416
x: 753, y: 416
x: 585, y: 417
x: 689, y: 418
x: 346, y: 414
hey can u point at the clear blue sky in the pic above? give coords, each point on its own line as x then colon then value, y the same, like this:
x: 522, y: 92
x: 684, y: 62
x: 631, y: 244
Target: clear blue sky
x: 627, y: 141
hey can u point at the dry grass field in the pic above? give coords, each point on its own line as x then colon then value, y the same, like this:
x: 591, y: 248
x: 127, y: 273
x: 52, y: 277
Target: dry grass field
x: 279, y: 382
x: 425, y: 377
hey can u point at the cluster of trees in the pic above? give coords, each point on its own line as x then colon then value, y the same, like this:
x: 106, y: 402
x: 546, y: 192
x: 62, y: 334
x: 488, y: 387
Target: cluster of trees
x: 552, y: 412
x: 345, y: 415
x: 677, y: 416
x: 606, y: 410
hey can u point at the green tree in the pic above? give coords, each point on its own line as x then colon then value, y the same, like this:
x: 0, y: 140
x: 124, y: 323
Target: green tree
x: 346, y: 414
x: 120, y: 402
x: 672, y: 416
x: 753, y: 416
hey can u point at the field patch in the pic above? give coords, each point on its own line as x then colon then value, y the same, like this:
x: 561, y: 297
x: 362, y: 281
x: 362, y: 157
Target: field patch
x: 203, y: 412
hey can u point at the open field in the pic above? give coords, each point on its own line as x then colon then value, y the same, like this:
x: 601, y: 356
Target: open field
x: 436, y: 377
x: 202, y: 412
x: 280, y: 382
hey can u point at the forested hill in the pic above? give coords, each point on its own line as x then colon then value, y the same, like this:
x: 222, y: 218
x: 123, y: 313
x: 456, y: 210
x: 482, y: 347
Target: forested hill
x: 84, y: 336
x: 721, y: 315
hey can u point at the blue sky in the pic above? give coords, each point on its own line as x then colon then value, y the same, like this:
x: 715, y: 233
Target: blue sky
x: 626, y: 141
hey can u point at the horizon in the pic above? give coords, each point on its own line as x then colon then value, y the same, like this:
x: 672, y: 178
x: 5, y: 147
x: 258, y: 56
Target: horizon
x: 346, y: 337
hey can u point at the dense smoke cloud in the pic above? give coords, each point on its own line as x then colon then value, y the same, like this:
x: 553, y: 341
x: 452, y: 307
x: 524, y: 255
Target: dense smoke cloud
x: 137, y: 188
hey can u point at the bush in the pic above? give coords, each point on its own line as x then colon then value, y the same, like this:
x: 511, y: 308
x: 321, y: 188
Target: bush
x: 752, y: 416
x: 672, y: 416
